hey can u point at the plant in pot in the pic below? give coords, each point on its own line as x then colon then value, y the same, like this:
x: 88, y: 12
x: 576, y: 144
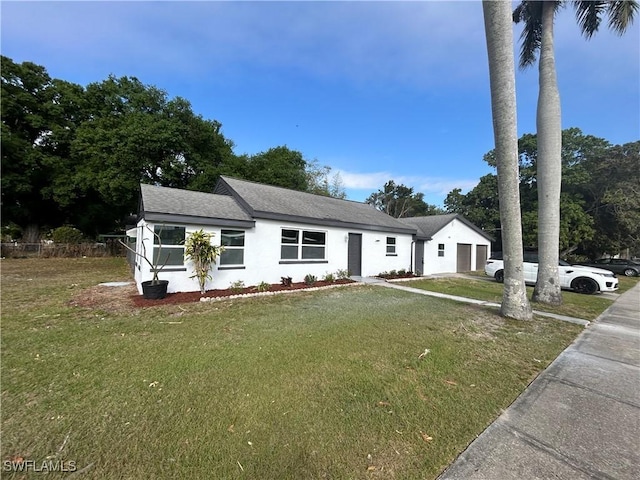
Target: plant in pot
x: 199, y: 249
x: 155, y: 288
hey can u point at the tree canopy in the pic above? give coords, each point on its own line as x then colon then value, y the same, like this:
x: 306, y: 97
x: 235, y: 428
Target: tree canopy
x: 538, y: 37
x: 76, y: 155
x: 599, y: 203
x: 400, y: 201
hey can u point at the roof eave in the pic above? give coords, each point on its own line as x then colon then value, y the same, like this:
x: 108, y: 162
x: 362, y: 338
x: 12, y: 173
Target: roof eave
x: 158, y: 217
x: 333, y: 223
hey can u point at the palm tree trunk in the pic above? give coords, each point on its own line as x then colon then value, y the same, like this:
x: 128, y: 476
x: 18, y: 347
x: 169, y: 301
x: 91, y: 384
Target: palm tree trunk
x: 499, y: 35
x: 549, y: 166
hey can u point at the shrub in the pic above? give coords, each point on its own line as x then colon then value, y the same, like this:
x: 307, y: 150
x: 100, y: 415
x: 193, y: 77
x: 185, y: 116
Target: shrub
x: 342, y: 274
x: 199, y: 249
x: 11, y: 232
x: 263, y: 287
x: 66, y: 234
x: 237, y: 286
x: 329, y: 277
x: 310, y: 279
x: 402, y: 272
x: 393, y: 273
x: 286, y: 281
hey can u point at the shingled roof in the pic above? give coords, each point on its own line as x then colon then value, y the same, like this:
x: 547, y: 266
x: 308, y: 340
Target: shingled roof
x: 430, y: 225
x: 163, y: 204
x: 269, y: 202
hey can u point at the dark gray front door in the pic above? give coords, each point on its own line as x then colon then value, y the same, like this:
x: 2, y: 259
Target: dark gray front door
x: 463, y: 262
x: 419, y: 263
x: 354, y: 254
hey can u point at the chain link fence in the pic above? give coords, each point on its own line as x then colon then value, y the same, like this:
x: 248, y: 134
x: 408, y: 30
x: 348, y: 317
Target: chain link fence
x: 108, y: 248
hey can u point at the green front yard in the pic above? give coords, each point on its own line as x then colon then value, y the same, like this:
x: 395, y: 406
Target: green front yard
x: 587, y: 307
x: 329, y: 384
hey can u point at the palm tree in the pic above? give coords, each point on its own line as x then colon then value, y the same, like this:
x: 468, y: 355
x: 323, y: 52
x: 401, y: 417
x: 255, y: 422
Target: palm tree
x: 538, y: 17
x: 499, y: 35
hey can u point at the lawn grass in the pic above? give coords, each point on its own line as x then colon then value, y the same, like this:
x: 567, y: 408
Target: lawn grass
x: 586, y: 307
x: 326, y: 384
x: 626, y: 283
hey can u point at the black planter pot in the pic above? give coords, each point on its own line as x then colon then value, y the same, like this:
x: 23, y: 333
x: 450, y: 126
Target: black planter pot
x: 155, y: 291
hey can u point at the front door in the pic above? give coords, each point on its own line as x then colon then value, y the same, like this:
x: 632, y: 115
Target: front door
x: 354, y: 254
x: 419, y: 265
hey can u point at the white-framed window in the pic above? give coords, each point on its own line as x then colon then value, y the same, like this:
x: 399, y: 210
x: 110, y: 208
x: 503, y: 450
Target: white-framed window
x: 391, y: 245
x: 233, y: 243
x: 441, y: 249
x: 172, y: 251
x: 303, y: 244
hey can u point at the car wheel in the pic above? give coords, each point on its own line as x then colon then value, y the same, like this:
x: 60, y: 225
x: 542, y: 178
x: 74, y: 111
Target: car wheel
x: 630, y: 272
x: 499, y: 276
x: 585, y: 285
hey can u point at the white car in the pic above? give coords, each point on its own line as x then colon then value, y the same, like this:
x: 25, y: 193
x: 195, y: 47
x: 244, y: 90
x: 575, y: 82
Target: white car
x: 579, y: 278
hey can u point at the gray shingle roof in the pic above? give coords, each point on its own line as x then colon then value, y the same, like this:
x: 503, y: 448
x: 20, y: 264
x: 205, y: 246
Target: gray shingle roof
x: 430, y: 225
x: 187, y: 206
x: 267, y: 201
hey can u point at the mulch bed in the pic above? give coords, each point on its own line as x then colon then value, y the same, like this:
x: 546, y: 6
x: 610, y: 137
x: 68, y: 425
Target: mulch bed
x: 396, y: 277
x: 186, y: 297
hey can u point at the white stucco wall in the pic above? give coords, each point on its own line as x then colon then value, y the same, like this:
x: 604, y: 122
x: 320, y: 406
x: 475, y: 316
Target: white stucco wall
x: 450, y: 235
x: 262, y: 261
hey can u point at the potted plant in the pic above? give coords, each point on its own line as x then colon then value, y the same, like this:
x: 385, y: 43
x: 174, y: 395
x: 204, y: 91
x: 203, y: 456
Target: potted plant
x: 199, y: 249
x: 155, y: 288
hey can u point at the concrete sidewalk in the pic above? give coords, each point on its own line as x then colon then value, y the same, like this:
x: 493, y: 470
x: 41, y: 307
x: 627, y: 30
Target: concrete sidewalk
x: 580, y: 419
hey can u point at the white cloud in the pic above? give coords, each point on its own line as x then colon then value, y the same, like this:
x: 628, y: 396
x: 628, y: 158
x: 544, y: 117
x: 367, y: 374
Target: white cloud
x: 428, y: 185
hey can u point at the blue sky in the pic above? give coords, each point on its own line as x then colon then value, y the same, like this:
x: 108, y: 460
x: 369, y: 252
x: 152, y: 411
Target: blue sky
x: 375, y: 90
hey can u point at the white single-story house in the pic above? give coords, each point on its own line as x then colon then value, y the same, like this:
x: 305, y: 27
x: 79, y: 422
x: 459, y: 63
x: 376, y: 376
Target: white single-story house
x: 268, y: 233
x: 447, y: 244
x: 272, y: 232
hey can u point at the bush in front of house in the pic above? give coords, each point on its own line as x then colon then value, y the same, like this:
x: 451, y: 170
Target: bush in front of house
x: 396, y: 274
x: 237, y: 286
x: 199, y: 249
x: 310, y: 279
x: 342, y: 274
x: 329, y: 277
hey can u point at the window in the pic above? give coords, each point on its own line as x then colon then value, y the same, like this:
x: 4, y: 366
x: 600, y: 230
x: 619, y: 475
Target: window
x: 441, y: 249
x: 172, y: 251
x: 391, y: 245
x: 302, y: 245
x: 233, y: 243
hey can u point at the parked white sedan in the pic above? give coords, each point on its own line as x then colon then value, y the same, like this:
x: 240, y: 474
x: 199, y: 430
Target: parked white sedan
x: 579, y: 278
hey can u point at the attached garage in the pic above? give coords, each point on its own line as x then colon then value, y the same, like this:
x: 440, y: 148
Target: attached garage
x: 448, y: 244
